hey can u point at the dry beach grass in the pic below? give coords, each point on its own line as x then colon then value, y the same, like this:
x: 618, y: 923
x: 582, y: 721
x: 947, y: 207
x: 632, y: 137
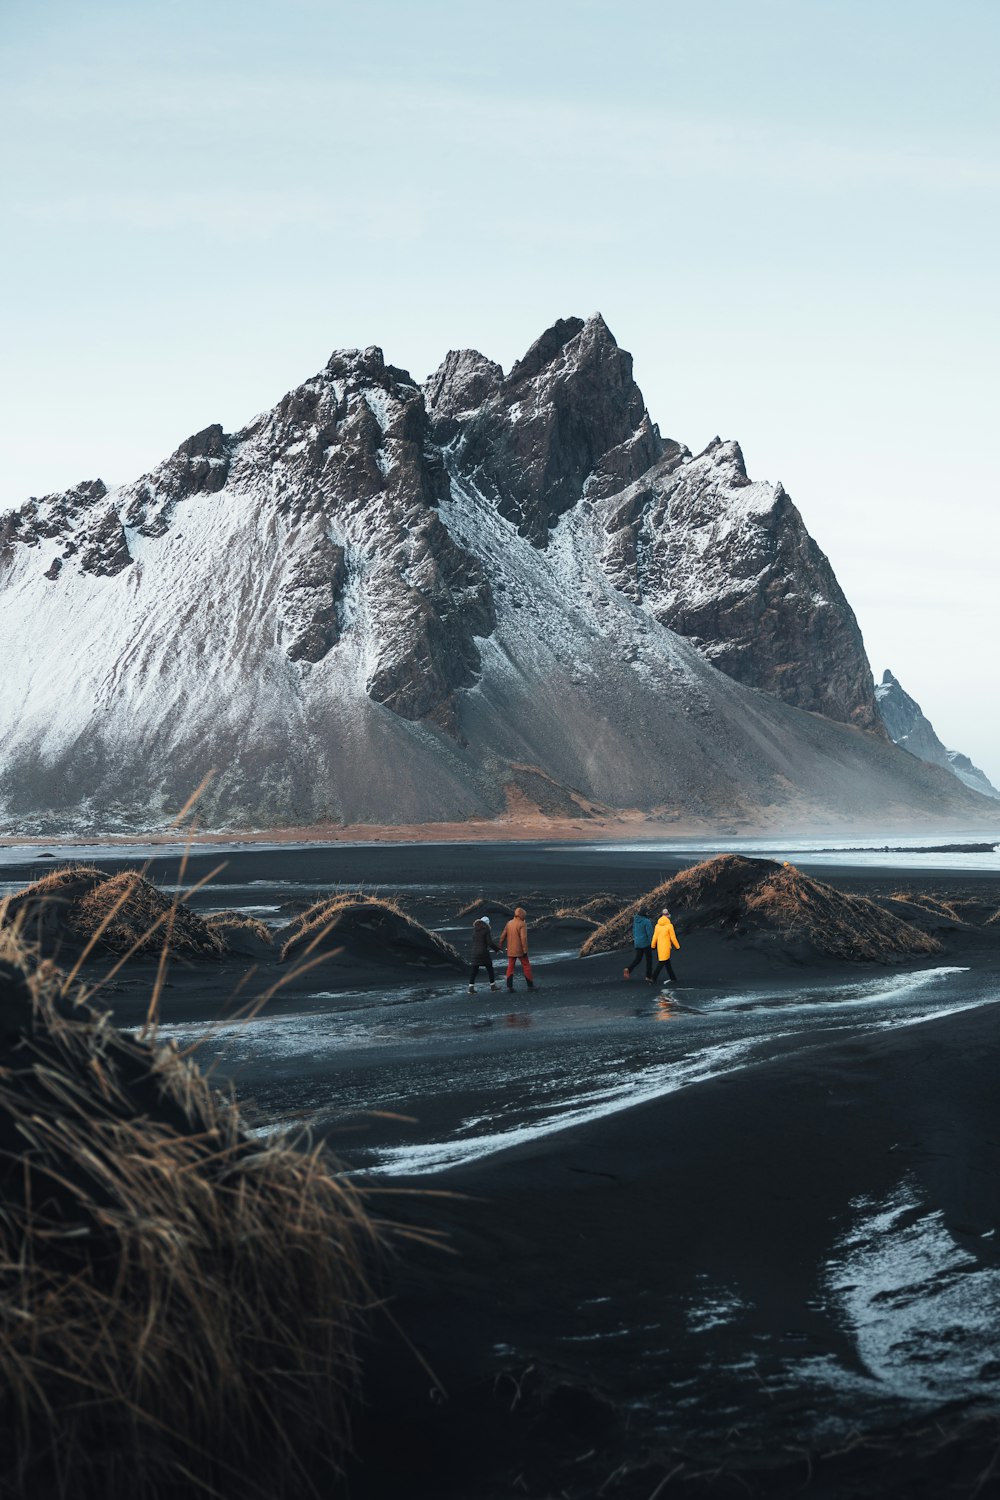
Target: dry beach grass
x: 80, y: 906
x: 239, y: 921
x: 600, y: 908
x: 741, y: 895
x: 178, y: 1303
x: 482, y: 907
x: 375, y: 922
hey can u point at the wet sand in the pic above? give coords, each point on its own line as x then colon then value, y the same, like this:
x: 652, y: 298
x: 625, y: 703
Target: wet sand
x: 677, y: 1269
x: 787, y: 1243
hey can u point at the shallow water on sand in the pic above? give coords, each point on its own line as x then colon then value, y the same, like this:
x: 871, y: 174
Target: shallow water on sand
x: 481, y: 1074
x: 923, y: 1311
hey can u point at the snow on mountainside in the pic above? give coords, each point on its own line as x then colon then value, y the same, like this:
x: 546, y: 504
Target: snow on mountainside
x: 729, y: 564
x: 384, y: 602
x: 909, y: 728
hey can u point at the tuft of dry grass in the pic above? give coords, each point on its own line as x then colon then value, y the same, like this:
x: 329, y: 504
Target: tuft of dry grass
x: 957, y: 911
x: 600, y: 908
x: 837, y: 923
x: 481, y: 907
x: 125, y: 913
x: 737, y: 894
x: 134, y: 911
x: 178, y: 1303
x: 225, y: 922
x: 377, y: 922
x: 66, y: 882
x: 935, y: 906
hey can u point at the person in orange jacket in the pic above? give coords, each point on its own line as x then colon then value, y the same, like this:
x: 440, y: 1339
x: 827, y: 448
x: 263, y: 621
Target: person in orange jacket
x: 664, y: 938
x: 515, y: 939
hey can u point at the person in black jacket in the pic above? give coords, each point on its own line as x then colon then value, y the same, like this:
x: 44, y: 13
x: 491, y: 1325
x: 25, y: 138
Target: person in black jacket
x: 483, y: 946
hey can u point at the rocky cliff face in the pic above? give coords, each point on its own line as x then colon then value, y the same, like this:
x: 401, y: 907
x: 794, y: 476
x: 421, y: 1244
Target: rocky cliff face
x: 729, y: 564
x: 719, y: 559
x: 382, y: 601
x: 909, y: 728
x: 568, y: 415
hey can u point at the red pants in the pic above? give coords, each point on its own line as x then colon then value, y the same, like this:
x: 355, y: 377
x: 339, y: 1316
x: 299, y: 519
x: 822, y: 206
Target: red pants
x: 526, y: 967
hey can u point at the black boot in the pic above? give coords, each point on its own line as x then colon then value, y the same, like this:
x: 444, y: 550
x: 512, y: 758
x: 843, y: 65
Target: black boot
x: 510, y: 984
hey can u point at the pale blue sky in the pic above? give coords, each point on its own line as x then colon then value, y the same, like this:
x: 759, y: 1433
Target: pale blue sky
x: 787, y: 209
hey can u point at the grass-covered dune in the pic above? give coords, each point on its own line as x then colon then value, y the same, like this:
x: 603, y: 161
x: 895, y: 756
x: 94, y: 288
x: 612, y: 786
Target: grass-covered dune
x: 600, y: 908
x: 76, y: 911
x: 763, y: 899
x: 78, y: 907
x: 242, y: 933
x: 369, y: 927
x: 179, y: 1303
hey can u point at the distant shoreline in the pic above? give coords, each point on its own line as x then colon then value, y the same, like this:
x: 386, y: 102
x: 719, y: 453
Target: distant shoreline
x: 629, y: 828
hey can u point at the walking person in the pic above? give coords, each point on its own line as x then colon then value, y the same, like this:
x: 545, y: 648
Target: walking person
x: 664, y: 938
x: 642, y: 937
x: 515, y: 939
x: 483, y: 948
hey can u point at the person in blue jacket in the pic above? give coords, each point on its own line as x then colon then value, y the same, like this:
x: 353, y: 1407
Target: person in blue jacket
x: 642, y: 937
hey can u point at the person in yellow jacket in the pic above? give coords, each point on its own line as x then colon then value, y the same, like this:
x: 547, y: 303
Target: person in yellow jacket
x: 664, y: 938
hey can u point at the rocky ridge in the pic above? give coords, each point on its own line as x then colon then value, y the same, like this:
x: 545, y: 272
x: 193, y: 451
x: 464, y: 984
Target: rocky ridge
x: 717, y: 558
x: 908, y: 727
x: 381, y: 601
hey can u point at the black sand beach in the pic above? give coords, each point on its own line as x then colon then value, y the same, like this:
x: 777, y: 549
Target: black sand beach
x: 742, y: 1235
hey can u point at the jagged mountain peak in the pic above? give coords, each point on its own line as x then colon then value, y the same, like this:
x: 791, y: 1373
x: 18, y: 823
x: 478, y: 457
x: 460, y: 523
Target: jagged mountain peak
x: 462, y: 382
x: 208, y: 443
x: 370, y: 360
x: 568, y: 418
x: 902, y: 713
x: 466, y: 378
x: 354, y: 368
x: 910, y: 729
x: 80, y: 523
x: 728, y: 562
x: 568, y: 348
x: 543, y: 351
x: 85, y: 492
x: 376, y: 598
x: 200, y: 464
x: 725, y: 454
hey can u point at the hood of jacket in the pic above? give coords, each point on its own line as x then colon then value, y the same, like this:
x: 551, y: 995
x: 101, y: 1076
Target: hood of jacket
x: 642, y: 930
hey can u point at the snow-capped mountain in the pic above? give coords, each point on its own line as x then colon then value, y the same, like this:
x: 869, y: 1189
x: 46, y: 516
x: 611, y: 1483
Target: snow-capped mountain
x: 387, y: 602
x: 721, y: 560
x: 909, y: 728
